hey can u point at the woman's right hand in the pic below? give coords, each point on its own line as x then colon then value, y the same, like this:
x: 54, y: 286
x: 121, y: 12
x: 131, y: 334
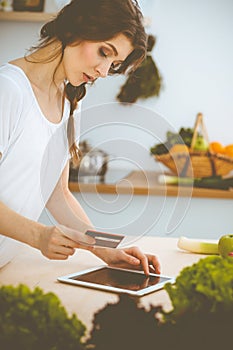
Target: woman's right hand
x: 59, y: 242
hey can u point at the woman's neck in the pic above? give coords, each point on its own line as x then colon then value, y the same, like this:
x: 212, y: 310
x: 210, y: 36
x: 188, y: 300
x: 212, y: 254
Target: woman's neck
x: 45, y: 73
x: 46, y: 76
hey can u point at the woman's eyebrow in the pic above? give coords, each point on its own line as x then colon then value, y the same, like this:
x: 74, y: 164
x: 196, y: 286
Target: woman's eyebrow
x: 113, y: 48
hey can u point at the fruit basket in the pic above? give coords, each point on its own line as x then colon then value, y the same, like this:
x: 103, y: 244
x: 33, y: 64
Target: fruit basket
x: 186, y: 159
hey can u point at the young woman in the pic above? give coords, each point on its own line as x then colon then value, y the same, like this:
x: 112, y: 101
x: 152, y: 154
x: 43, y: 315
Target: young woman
x: 40, y: 96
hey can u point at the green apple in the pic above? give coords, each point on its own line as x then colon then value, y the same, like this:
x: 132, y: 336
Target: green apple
x: 201, y: 144
x: 225, y: 245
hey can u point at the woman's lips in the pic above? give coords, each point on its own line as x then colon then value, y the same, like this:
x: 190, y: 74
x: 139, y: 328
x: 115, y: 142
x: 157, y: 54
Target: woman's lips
x: 87, y: 78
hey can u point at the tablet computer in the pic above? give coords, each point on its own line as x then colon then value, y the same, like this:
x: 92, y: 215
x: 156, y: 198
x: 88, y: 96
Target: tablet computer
x: 117, y: 280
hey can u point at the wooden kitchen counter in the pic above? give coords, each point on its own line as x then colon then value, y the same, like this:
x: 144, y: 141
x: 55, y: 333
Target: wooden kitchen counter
x: 146, y: 183
x: 30, y: 267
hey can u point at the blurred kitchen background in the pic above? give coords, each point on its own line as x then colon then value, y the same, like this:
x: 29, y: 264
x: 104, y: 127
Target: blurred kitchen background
x: 194, y: 55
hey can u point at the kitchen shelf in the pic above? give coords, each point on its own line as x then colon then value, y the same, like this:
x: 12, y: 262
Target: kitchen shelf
x: 21, y: 16
x: 146, y: 183
x: 26, y: 16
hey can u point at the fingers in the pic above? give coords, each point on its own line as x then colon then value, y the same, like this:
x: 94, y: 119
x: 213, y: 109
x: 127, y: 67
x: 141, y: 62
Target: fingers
x: 54, y: 245
x: 147, y: 262
x: 143, y: 261
x: 64, y: 250
x: 59, y: 252
x: 58, y: 256
x: 60, y: 243
x: 154, y: 264
x: 131, y: 257
x: 76, y: 236
x: 67, y: 242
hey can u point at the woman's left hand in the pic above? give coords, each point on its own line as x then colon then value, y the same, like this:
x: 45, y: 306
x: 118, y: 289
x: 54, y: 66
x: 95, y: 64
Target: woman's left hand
x: 129, y: 258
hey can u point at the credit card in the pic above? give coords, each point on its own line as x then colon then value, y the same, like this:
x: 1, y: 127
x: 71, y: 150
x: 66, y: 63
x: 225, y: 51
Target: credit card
x: 104, y: 239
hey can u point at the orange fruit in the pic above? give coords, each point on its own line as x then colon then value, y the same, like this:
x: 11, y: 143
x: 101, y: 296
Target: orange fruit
x: 216, y: 147
x: 179, y: 148
x: 228, y: 150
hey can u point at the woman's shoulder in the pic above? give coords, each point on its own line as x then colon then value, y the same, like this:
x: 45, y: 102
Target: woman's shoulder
x: 12, y: 77
x: 14, y: 85
x: 14, y: 92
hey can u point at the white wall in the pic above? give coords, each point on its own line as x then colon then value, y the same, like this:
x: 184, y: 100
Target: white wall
x: 194, y: 53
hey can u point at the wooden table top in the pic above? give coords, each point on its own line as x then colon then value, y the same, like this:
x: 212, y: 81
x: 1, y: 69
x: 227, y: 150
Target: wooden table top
x: 32, y: 268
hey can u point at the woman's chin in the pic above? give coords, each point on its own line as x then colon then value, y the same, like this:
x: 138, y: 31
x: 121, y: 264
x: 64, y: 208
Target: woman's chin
x: 77, y: 83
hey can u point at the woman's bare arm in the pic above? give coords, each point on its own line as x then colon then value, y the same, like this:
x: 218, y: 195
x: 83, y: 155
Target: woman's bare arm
x: 18, y: 227
x: 64, y: 207
x: 53, y: 242
x: 67, y: 211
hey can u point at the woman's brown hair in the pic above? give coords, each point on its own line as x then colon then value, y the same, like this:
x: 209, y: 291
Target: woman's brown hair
x: 94, y: 20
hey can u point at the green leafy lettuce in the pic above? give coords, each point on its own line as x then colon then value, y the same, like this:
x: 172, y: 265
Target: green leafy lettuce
x: 206, y: 286
x: 36, y: 320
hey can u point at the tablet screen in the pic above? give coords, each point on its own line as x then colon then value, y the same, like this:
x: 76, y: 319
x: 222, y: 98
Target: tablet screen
x: 120, y: 279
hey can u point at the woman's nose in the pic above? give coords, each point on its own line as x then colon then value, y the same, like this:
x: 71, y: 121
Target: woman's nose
x: 103, y: 69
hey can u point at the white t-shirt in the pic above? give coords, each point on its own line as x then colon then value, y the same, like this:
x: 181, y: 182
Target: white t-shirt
x: 34, y: 150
